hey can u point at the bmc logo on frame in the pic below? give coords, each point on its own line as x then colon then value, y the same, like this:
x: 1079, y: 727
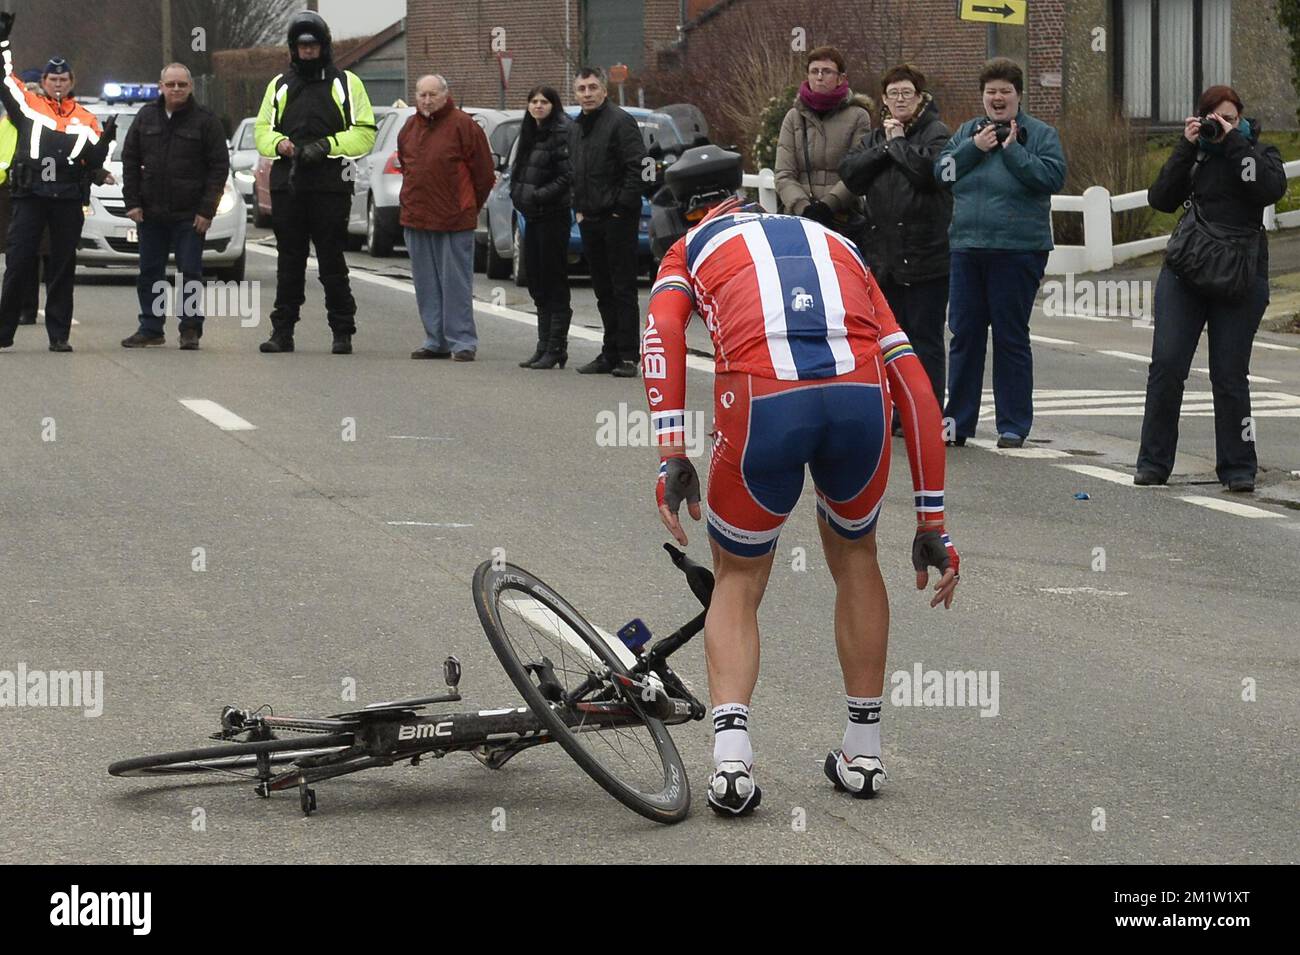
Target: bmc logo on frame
x: 424, y: 730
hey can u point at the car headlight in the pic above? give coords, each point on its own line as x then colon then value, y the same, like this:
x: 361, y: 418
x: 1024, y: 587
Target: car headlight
x: 228, y: 200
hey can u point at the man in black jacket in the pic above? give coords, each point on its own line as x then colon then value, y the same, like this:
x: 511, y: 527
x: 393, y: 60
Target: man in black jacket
x: 607, y: 154
x: 174, y: 168
x: 905, y: 239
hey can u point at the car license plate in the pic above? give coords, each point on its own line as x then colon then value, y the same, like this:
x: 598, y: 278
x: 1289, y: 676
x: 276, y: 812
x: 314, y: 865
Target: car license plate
x: 132, y: 235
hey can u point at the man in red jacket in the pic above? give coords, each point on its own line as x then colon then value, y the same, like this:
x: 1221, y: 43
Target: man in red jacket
x: 447, y: 173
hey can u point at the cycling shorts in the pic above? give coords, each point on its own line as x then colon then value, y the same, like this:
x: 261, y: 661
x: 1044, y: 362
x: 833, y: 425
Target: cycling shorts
x: 767, y: 430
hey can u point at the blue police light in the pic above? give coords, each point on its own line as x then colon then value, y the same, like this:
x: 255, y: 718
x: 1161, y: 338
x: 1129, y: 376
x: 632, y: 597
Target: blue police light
x: 127, y: 92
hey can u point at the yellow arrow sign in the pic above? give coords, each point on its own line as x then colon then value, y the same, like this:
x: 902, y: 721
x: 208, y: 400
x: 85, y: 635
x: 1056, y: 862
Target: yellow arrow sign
x: 994, y: 11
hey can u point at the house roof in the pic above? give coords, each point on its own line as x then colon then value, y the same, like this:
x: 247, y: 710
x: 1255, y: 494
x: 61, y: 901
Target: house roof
x: 386, y: 35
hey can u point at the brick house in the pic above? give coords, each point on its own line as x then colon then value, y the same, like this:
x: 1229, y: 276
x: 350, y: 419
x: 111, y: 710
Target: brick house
x: 547, y: 41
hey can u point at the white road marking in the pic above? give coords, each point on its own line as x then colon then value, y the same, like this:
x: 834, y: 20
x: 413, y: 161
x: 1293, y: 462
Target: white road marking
x: 990, y: 444
x: 1103, y: 474
x: 1274, y: 347
x: 1087, y: 318
x: 416, y: 437
x: 1146, y: 359
x: 501, y: 311
x: 1083, y: 590
x: 223, y: 418
x: 1228, y: 507
x: 424, y: 524
x: 1044, y: 340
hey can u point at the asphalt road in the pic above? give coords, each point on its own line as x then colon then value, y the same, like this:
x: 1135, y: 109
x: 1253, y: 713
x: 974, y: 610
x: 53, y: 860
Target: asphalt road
x: 1118, y: 733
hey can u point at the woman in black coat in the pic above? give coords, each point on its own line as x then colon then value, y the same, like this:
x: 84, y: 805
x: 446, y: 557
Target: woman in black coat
x: 1236, y: 179
x: 905, y: 239
x: 540, y: 188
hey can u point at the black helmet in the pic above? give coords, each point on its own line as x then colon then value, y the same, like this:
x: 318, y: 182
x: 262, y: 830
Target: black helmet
x: 309, y: 27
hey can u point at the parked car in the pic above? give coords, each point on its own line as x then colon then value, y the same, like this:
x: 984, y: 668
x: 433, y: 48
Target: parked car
x: 243, y: 157
x: 503, y: 227
x: 374, y: 212
x: 109, y: 238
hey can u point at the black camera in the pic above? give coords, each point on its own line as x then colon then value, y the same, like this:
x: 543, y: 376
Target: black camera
x: 1002, y: 129
x: 1210, y: 128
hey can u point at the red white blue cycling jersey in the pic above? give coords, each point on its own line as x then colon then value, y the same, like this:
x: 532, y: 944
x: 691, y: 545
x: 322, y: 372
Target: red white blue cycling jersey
x: 790, y: 305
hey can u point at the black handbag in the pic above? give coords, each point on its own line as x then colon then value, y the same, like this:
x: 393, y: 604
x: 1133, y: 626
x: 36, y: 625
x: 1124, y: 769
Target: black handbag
x: 1213, y: 258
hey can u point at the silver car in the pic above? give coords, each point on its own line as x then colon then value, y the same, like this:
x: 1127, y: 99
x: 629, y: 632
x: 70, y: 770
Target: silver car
x: 378, y: 186
x: 243, y: 157
x: 109, y: 238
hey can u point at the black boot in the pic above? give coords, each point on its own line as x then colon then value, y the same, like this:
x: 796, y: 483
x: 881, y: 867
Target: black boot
x: 557, y: 343
x: 277, y: 343
x: 544, y: 320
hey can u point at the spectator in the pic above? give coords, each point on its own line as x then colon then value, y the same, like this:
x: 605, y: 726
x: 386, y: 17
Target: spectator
x: 607, y: 155
x: 174, y: 168
x: 30, y: 297
x: 313, y: 119
x: 825, y: 123
x: 447, y: 173
x: 541, y: 189
x: 1223, y: 196
x: 905, y: 239
x: 54, y: 132
x: 1002, y: 168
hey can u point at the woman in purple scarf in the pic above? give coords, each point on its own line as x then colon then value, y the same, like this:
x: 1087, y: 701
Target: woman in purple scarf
x: 825, y: 123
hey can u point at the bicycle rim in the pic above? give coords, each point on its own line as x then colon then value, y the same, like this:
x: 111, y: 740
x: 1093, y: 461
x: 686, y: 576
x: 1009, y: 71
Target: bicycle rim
x: 525, y: 621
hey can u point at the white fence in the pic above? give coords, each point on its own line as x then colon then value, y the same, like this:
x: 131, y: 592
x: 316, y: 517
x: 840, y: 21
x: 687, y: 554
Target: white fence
x: 1099, y: 250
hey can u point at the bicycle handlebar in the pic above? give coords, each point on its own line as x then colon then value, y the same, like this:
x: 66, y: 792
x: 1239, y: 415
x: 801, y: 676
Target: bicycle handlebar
x: 699, y: 578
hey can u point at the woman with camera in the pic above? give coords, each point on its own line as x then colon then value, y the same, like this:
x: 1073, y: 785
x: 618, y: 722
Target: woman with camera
x: 905, y: 238
x: 1002, y: 169
x: 1216, y: 275
x: 540, y: 190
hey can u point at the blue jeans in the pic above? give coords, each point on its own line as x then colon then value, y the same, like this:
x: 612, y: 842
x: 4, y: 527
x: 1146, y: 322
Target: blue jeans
x: 442, y: 267
x: 992, y: 287
x: 157, y: 240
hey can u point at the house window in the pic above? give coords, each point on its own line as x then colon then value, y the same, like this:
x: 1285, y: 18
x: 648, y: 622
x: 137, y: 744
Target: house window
x: 1169, y: 51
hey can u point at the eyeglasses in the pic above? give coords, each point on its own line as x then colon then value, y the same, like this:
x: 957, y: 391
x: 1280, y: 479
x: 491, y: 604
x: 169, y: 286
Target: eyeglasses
x: 823, y: 71
x: 1230, y: 119
x: 903, y: 95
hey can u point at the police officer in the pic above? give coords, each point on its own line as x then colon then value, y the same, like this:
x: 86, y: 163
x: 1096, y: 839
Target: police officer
x: 313, y: 119
x: 50, y: 186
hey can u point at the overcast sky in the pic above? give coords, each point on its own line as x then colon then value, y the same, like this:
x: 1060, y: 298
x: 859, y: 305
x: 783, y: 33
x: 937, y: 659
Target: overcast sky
x: 350, y: 18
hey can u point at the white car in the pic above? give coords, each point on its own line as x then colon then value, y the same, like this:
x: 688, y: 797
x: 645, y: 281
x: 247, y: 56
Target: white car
x: 109, y: 238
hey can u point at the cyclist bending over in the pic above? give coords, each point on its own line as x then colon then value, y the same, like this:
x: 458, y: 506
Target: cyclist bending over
x: 803, y: 341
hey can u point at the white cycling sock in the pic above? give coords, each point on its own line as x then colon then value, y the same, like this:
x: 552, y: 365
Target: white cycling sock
x: 862, y: 733
x: 731, y: 734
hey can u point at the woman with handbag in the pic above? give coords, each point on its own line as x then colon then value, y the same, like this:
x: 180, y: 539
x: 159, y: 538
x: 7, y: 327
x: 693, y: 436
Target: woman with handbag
x: 825, y: 122
x: 1215, y: 274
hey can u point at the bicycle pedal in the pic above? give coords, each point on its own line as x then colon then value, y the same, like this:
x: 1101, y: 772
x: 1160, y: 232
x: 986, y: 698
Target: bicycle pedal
x: 634, y: 634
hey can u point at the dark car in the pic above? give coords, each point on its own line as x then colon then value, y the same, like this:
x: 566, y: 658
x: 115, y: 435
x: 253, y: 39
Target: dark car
x: 503, y: 227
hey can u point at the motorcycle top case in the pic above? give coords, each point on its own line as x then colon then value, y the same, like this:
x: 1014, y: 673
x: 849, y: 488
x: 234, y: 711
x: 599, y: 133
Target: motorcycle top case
x: 704, y: 169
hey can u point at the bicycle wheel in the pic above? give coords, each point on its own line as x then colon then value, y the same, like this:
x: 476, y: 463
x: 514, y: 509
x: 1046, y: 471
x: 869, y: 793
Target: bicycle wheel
x: 527, y: 622
x: 238, y: 759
